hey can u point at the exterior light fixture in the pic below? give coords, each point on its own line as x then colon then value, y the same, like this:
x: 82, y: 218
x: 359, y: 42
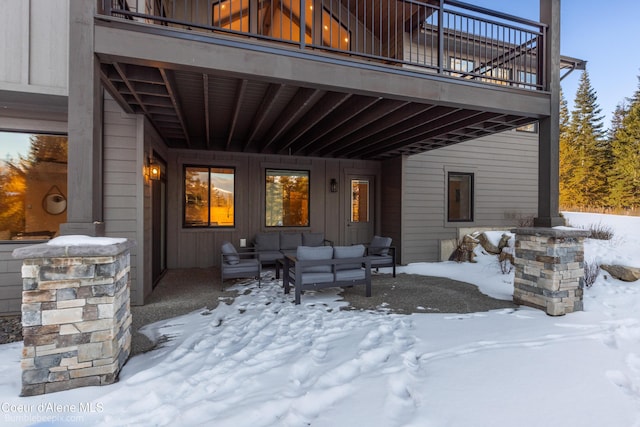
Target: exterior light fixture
x: 154, y: 171
x: 333, y: 185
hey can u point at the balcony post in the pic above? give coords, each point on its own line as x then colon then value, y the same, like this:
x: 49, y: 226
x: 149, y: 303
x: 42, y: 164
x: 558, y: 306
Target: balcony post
x: 441, y: 38
x: 549, y: 130
x: 303, y: 23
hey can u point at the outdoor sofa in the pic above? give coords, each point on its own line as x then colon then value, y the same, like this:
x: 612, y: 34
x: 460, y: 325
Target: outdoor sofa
x: 273, y: 246
x: 319, y: 267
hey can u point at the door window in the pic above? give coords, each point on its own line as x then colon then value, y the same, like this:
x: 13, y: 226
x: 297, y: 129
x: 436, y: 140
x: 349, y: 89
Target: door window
x: 359, y: 200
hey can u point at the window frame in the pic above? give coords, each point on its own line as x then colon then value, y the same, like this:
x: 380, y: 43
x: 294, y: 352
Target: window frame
x: 187, y: 226
x: 472, y: 176
x: 264, y: 212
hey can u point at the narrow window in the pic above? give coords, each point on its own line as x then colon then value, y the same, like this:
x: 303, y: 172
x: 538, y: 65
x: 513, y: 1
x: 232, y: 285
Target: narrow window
x: 359, y: 200
x: 209, y: 196
x: 286, y: 198
x: 460, y: 197
x: 33, y: 185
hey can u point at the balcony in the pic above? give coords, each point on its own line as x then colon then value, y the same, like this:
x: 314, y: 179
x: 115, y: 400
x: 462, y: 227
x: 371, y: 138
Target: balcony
x: 320, y: 77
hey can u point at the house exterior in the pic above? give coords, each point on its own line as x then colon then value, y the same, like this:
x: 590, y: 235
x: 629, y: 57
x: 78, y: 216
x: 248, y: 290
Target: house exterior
x: 399, y: 118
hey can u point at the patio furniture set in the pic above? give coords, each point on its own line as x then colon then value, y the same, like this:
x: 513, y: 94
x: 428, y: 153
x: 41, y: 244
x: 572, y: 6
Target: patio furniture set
x: 308, y: 260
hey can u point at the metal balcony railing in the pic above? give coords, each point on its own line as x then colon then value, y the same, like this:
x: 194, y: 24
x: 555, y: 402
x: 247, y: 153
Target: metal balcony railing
x: 447, y: 38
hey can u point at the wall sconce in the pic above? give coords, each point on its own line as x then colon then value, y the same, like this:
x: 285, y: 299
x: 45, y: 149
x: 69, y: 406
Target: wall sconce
x: 152, y: 171
x: 333, y: 185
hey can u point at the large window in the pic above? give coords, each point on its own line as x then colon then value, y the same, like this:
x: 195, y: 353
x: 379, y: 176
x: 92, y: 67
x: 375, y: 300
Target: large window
x: 33, y: 185
x: 460, y: 197
x: 286, y: 198
x: 209, y: 196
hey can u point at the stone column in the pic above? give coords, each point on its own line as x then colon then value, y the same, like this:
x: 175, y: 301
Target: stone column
x: 76, y: 315
x: 549, y: 269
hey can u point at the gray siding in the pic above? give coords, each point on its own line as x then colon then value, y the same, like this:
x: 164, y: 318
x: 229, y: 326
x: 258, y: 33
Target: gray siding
x: 10, y: 278
x: 505, y: 168
x: 122, y: 182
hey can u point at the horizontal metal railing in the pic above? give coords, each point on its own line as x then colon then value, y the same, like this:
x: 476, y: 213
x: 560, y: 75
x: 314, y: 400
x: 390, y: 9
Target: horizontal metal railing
x: 449, y: 38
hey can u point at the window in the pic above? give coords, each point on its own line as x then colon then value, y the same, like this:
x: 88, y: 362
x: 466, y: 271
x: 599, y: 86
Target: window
x: 502, y: 76
x: 209, y: 196
x: 359, y: 200
x: 231, y: 15
x: 460, y: 197
x: 286, y: 198
x: 529, y: 78
x: 531, y: 128
x: 458, y: 64
x: 33, y: 185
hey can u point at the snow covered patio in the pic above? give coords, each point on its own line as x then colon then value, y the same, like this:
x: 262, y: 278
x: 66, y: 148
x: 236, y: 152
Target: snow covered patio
x: 260, y: 360
x: 183, y: 291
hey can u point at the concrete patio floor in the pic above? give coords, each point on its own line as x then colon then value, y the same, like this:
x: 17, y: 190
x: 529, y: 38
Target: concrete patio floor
x: 183, y: 291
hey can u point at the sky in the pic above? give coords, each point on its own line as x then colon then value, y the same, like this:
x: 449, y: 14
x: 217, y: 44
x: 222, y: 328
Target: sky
x: 605, y: 34
x: 12, y: 145
x: 259, y: 360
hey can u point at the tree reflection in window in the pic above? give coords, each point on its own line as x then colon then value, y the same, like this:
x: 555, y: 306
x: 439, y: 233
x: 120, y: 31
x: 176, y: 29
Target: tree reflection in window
x: 209, y: 197
x: 286, y: 198
x: 33, y: 184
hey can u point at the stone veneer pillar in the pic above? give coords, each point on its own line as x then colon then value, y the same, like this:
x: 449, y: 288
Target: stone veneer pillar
x: 549, y: 266
x: 76, y: 315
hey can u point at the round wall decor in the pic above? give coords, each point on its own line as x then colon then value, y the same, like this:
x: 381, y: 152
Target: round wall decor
x: 54, y: 202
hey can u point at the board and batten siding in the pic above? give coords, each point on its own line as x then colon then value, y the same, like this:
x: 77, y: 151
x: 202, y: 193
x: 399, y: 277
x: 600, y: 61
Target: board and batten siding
x: 34, y: 34
x: 505, y: 168
x: 200, y: 247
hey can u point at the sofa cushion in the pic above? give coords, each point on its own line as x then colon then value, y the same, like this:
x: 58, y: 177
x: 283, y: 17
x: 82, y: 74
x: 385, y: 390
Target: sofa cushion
x: 310, y: 278
x: 355, y: 251
x: 268, y: 241
x: 290, y: 240
x: 379, y: 245
x: 308, y: 253
x: 248, y: 266
x: 231, y: 256
x: 350, y: 275
x: 312, y: 239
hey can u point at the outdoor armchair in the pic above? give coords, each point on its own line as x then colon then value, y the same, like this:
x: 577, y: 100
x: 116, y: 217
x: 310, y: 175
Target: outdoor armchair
x: 381, y: 253
x: 234, y: 264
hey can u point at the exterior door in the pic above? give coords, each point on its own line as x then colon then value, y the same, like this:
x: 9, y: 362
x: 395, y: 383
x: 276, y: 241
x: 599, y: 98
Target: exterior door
x: 158, y: 229
x: 359, y: 212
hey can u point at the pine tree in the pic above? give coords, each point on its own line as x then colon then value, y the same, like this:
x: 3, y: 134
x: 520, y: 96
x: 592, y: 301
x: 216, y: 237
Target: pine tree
x: 624, y: 175
x: 589, y: 149
x: 568, y: 160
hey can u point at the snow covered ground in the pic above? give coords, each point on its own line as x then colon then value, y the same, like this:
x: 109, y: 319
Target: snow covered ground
x: 262, y: 361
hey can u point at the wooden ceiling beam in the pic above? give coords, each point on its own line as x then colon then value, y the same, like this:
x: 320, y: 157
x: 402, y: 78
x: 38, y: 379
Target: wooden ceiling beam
x: 170, y: 85
x: 302, y: 101
x: 266, y: 106
x: 240, y: 90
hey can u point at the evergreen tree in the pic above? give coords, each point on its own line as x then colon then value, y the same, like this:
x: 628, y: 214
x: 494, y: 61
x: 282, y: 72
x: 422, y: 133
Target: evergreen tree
x: 590, y: 150
x: 624, y: 175
x: 568, y: 159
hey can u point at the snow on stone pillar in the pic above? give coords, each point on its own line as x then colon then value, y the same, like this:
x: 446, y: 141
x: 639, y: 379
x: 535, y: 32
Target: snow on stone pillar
x: 76, y: 315
x: 549, y: 269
